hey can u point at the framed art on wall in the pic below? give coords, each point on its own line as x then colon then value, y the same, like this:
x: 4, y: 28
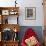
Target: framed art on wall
x: 5, y: 12
x: 30, y: 13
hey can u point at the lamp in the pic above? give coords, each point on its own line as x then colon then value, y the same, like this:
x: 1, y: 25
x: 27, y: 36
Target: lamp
x: 15, y: 3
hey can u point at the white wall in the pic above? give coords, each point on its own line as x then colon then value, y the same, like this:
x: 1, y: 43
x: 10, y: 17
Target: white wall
x: 27, y: 3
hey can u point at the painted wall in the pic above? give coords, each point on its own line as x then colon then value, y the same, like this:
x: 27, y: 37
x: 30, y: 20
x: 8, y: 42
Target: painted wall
x: 39, y: 13
x: 26, y: 3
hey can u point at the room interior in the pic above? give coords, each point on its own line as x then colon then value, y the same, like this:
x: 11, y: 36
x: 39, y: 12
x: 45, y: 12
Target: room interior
x: 17, y: 16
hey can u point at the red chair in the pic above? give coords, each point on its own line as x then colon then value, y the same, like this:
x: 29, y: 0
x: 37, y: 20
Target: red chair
x: 29, y: 33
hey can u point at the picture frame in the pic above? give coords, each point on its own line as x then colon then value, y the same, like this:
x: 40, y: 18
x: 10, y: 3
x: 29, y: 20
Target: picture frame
x: 30, y: 13
x: 5, y: 12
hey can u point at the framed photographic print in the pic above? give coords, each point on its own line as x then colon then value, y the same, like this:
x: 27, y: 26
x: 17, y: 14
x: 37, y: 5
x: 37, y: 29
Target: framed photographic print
x: 30, y: 13
x: 5, y: 12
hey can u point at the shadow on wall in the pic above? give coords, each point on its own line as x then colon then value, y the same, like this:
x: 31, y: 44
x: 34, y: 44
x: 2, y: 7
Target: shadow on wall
x: 37, y: 29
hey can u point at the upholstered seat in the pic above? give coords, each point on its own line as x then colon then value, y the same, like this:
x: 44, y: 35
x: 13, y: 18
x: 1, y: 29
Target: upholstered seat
x: 28, y: 38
